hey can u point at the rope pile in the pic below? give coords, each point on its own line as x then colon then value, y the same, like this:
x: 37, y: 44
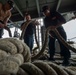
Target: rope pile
x: 44, y: 68
x: 13, y: 53
x: 15, y: 58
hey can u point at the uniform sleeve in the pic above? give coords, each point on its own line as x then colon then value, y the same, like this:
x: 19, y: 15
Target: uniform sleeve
x: 60, y: 17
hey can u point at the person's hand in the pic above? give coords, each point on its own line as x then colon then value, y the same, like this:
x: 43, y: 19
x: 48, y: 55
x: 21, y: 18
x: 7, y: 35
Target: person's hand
x: 5, y: 27
x: 74, y: 17
x: 36, y: 22
x: 53, y: 27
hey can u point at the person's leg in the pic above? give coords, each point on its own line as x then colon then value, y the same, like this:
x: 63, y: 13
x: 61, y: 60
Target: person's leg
x: 51, y: 47
x: 29, y: 41
x: 64, y: 50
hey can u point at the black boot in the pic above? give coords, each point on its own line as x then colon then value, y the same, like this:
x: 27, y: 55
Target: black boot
x: 51, y: 58
x: 66, y: 62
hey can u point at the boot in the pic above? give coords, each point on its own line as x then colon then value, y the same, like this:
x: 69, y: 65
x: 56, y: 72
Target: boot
x: 66, y: 62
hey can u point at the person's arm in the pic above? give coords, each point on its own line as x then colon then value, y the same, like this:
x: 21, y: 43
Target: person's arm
x: 5, y: 23
x: 7, y: 18
x: 1, y: 24
x: 61, y: 20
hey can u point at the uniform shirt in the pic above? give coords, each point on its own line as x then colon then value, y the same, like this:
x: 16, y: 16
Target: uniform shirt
x: 54, y: 19
x: 30, y: 29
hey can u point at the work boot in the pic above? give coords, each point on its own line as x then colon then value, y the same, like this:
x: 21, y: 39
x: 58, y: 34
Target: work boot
x: 66, y: 62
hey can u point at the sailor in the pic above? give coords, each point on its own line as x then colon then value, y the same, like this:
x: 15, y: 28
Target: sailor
x: 55, y: 19
x: 5, y: 14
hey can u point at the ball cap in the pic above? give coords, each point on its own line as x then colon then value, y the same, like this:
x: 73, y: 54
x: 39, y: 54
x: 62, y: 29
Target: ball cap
x: 10, y: 3
x: 44, y: 8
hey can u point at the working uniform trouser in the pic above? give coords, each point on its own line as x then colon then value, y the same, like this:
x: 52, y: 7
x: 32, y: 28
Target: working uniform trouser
x: 63, y: 50
x: 28, y: 39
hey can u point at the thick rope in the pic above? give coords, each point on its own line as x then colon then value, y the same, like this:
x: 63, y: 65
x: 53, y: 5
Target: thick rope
x: 24, y: 29
x: 9, y: 31
x: 36, y: 41
x: 45, y: 68
x: 46, y: 42
x: 63, y: 41
x: 43, y: 47
x: 12, y: 64
x: 11, y: 57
